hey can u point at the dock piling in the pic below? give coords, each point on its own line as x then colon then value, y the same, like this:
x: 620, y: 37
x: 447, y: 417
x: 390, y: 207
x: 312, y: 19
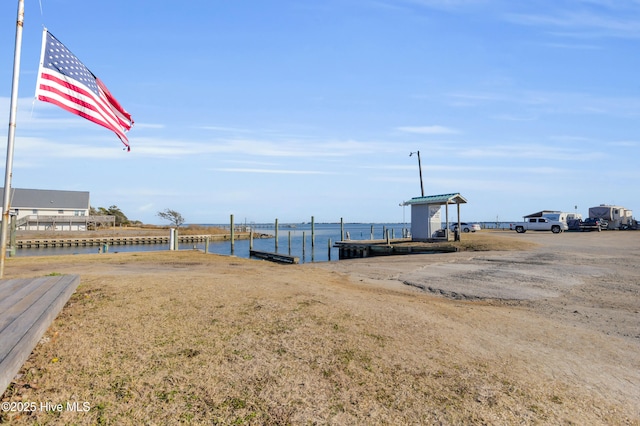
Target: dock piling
x: 233, y: 243
x: 313, y: 234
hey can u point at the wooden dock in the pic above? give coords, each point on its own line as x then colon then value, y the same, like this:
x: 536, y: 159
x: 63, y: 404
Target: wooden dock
x: 27, y: 309
x: 27, y: 243
x: 274, y: 257
x: 360, y: 248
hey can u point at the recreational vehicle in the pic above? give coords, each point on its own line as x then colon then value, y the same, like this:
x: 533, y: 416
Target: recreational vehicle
x: 617, y: 216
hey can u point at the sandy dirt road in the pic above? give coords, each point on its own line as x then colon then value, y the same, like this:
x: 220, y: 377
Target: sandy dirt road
x: 589, y: 282
x: 591, y: 279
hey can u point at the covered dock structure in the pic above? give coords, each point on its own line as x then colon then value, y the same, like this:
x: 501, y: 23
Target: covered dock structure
x: 426, y: 216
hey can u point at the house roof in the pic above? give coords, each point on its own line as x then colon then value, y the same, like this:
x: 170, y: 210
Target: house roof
x: 47, y: 199
x: 441, y: 199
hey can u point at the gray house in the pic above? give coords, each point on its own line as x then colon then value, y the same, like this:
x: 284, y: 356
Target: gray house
x: 46, y: 209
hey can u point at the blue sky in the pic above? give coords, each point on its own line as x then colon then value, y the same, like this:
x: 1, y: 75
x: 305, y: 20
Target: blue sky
x: 296, y: 108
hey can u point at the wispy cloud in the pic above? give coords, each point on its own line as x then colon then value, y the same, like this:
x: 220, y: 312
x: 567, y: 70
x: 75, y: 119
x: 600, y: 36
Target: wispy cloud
x: 584, y: 23
x: 30, y: 150
x: 498, y: 169
x: 226, y: 129
x: 428, y: 130
x: 570, y: 139
x: 448, y: 4
x: 138, y: 126
x: 462, y: 169
x: 576, y: 46
x: 534, y: 103
x: 569, y: 18
x: 145, y: 207
x: 252, y: 148
x: 271, y: 171
x: 512, y: 117
x: 625, y: 144
x: 530, y: 152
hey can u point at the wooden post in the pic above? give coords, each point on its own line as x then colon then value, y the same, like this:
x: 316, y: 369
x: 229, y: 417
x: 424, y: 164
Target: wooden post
x: 313, y: 234
x: 458, y: 207
x: 289, y: 243
x: 276, y: 235
x: 206, y: 244
x: 233, y: 244
x: 251, y: 239
x: 341, y: 229
x: 446, y: 215
x: 329, y: 249
x: 304, y: 241
x: 387, y: 237
x: 371, y: 232
x: 12, y: 236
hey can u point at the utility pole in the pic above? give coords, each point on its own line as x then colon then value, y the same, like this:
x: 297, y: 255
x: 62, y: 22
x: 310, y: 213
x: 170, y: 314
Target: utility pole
x: 420, y: 169
x: 11, y: 137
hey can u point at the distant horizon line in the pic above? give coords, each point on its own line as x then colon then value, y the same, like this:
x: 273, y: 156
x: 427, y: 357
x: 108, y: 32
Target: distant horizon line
x: 338, y: 223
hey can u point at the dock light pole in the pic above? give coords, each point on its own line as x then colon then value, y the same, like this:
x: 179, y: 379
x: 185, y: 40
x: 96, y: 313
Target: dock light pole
x: 420, y: 169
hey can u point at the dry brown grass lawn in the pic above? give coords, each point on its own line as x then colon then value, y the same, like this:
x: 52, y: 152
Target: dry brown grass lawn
x: 184, y: 337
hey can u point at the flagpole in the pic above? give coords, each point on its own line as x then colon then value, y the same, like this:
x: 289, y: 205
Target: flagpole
x: 11, y: 136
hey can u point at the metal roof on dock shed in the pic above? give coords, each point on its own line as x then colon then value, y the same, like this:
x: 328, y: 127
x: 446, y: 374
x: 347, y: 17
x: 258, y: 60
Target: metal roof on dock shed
x: 454, y: 198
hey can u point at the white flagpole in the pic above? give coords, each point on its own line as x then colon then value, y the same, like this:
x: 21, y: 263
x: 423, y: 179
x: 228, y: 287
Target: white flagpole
x: 11, y: 137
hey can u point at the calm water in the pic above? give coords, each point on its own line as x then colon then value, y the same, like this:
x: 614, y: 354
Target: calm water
x: 292, y: 239
x: 297, y: 241
x: 319, y: 252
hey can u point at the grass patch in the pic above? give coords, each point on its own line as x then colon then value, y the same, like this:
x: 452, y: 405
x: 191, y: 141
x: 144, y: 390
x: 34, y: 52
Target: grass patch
x: 235, y: 341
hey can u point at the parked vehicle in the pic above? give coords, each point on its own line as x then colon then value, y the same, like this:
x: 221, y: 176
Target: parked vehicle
x: 593, y: 224
x: 574, y: 224
x: 617, y: 217
x: 540, y: 224
x: 633, y: 225
x: 557, y: 215
x: 466, y: 227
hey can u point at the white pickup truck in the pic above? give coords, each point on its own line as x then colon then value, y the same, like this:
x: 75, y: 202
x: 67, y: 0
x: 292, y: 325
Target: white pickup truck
x: 540, y: 224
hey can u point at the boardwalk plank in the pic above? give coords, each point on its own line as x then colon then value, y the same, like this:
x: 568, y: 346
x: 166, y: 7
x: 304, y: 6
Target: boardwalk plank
x: 37, y: 302
x: 24, y: 296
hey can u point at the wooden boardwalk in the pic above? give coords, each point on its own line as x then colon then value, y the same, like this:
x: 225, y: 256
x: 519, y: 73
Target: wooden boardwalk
x: 27, y: 307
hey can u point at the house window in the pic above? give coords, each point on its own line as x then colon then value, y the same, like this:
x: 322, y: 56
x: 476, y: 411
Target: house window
x: 35, y: 211
x: 60, y: 211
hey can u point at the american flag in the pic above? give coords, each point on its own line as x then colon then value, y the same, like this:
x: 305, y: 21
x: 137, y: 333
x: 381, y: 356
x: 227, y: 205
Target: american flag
x: 64, y: 81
